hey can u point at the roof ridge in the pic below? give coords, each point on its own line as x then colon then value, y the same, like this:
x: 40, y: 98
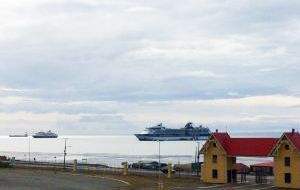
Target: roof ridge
x: 254, y: 138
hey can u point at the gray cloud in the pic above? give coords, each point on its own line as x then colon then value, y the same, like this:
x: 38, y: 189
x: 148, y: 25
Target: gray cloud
x: 111, y: 54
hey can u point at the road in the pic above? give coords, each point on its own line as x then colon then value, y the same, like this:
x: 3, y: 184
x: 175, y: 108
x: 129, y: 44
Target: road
x: 19, y: 179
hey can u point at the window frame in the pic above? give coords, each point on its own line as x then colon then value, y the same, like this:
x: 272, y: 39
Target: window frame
x: 287, y: 147
x: 214, y: 174
x: 214, y: 145
x: 214, y: 159
x: 287, y: 161
x: 287, y: 178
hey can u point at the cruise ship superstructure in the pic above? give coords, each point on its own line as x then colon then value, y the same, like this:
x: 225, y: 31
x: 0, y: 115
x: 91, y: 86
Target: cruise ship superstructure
x: 187, y: 133
x: 48, y: 134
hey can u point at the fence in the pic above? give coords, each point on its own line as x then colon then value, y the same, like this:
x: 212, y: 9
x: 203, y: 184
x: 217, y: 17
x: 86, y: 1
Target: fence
x: 84, y: 167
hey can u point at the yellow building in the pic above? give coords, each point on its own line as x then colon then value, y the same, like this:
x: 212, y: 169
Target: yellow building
x: 286, y: 155
x: 216, y: 162
x: 220, y: 152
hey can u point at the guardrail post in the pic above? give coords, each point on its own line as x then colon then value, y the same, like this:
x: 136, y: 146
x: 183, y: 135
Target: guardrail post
x: 75, y: 165
x: 125, y: 170
x: 170, y: 170
x: 160, y: 186
x: 85, y: 164
x: 12, y: 161
x: 201, y: 171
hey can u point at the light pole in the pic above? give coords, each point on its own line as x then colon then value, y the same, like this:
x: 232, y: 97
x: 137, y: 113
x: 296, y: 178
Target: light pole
x: 55, y: 164
x: 65, y: 153
x: 160, y: 184
x: 198, y: 152
x: 29, y: 149
x: 198, y: 158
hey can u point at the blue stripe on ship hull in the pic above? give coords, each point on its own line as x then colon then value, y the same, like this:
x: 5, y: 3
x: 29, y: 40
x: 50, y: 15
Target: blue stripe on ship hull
x: 42, y: 137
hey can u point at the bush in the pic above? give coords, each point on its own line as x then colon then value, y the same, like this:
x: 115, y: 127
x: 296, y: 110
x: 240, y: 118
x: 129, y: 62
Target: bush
x: 4, y: 164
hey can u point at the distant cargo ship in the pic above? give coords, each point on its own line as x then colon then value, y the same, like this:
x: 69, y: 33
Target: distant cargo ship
x: 161, y: 133
x: 25, y: 135
x: 48, y: 134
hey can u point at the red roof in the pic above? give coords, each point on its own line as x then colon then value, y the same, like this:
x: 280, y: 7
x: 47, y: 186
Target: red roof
x: 294, y: 137
x: 264, y: 164
x: 256, y: 147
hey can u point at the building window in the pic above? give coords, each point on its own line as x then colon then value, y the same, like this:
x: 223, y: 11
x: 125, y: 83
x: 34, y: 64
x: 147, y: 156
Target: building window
x: 287, y: 178
x: 215, y: 159
x: 215, y: 174
x: 287, y: 161
x: 214, y: 145
x: 287, y: 147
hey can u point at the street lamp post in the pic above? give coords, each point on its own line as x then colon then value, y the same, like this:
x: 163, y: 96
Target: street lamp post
x: 65, y: 153
x: 29, y: 149
x: 198, y: 158
x: 198, y: 152
x: 160, y: 184
x: 55, y: 164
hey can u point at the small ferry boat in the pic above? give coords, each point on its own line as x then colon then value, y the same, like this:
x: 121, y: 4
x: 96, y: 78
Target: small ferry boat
x: 187, y: 133
x: 42, y: 134
x: 25, y: 135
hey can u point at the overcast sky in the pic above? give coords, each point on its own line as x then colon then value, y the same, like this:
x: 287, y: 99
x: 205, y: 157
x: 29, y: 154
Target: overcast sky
x: 116, y: 67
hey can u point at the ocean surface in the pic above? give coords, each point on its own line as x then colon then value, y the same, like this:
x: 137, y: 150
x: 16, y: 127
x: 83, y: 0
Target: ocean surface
x: 109, y: 150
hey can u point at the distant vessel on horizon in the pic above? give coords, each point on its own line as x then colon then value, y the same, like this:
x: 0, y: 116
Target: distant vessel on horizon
x: 25, y: 135
x: 42, y: 134
x: 187, y: 133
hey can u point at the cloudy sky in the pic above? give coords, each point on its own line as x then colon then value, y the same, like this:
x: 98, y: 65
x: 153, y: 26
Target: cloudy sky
x: 115, y: 67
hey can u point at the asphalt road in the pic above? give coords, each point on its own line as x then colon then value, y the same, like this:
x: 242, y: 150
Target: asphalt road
x: 240, y: 187
x: 19, y: 179
x: 230, y: 187
x: 249, y: 185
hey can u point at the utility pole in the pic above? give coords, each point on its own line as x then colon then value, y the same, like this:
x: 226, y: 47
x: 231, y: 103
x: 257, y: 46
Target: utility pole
x: 196, y: 155
x: 65, y: 153
x: 160, y: 184
x: 198, y: 152
x: 29, y: 149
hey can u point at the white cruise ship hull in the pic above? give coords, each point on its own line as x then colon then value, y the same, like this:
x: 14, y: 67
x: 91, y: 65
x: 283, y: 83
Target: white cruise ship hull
x: 143, y: 137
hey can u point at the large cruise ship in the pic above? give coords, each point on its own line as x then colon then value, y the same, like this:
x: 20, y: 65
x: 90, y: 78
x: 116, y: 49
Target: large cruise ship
x: 48, y: 134
x: 161, y: 133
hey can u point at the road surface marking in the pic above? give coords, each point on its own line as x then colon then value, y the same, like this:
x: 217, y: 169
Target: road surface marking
x: 110, y: 178
x: 242, y: 186
x: 264, y: 188
x: 212, y: 186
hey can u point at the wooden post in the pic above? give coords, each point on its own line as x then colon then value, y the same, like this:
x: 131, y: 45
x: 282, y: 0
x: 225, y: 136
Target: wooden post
x: 202, y: 172
x: 75, y: 165
x: 125, y: 170
x: 160, y: 186
x: 170, y: 170
x: 12, y: 161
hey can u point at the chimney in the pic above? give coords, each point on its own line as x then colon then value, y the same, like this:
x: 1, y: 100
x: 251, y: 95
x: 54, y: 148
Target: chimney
x: 217, y: 130
x: 293, y: 131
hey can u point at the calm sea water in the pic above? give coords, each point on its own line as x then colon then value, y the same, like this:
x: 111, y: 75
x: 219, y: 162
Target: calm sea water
x: 110, y: 150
